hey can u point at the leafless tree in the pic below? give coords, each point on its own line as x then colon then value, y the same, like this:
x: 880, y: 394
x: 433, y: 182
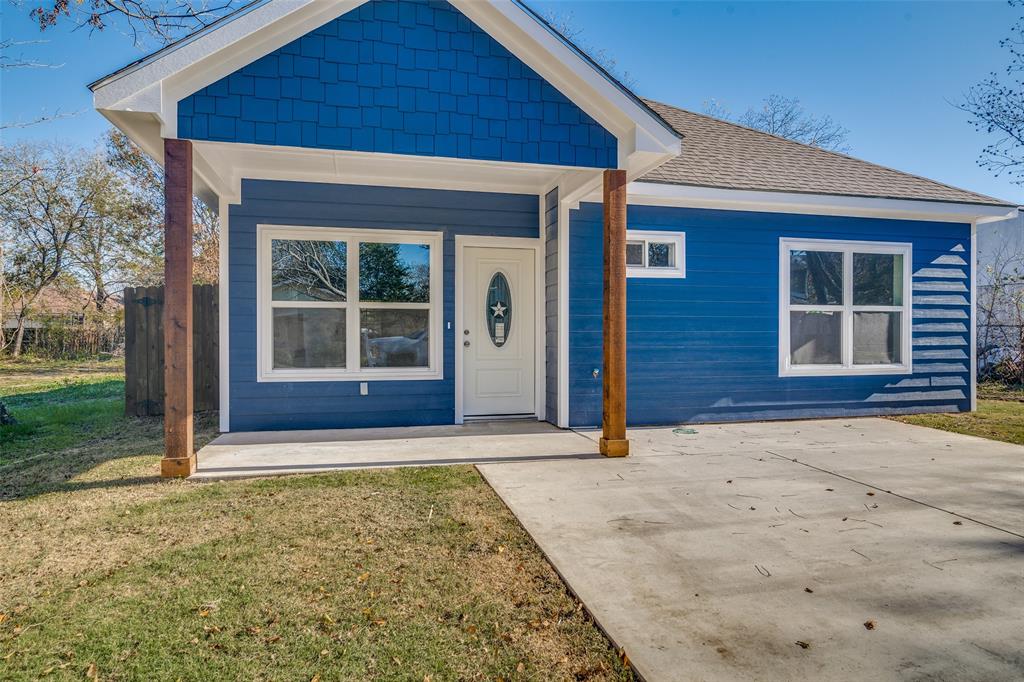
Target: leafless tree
x: 1001, y: 318
x: 996, y: 107
x: 786, y: 117
x: 11, y: 57
x: 567, y: 25
x: 162, y: 20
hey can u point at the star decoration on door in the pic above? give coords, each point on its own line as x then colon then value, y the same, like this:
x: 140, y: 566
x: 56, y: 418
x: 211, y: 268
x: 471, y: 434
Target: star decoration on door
x: 499, y: 309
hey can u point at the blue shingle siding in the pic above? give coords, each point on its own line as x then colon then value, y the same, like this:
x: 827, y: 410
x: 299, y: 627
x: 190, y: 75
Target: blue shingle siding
x: 335, y: 404
x: 399, y: 76
x: 705, y: 348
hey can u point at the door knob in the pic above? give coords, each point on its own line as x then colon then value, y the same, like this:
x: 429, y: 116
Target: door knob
x: 466, y: 343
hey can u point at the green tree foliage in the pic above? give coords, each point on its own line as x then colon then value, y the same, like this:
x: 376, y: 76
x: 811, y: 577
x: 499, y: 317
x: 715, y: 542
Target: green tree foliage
x: 385, y: 276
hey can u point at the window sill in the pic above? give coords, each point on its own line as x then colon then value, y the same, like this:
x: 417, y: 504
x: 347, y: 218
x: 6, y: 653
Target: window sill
x: 839, y: 371
x: 425, y: 374
x: 633, y: 272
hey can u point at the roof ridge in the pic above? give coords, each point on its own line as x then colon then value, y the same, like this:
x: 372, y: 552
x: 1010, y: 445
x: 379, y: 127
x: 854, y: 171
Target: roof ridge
x: 831, y: 152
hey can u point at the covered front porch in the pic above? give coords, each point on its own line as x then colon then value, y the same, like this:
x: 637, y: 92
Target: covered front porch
x: 449, y: 139
x: 277, y: 453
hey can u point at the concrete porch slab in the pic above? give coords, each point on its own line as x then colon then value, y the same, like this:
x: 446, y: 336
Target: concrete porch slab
x: 274, y: 453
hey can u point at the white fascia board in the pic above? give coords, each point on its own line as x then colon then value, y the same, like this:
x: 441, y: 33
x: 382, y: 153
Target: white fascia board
x: 157, y: 85
x: 660, y: 194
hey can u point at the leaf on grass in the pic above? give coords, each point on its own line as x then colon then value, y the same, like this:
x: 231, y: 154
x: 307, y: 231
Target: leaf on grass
x: 315, y: 678
x: 363, y: 578
x: 92, y: 672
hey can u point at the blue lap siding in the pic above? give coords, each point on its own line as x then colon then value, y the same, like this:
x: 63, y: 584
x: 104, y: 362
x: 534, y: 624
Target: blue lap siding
x: 705, y: 348
x: 336, y: 404
x: 399, y: 76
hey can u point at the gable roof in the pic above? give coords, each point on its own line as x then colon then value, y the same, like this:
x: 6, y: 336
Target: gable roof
x: 726, y: 155
x: 244, y: 9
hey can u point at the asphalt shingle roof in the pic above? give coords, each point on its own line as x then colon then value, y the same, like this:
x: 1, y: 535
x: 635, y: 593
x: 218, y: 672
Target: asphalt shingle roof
x: 725, y: 155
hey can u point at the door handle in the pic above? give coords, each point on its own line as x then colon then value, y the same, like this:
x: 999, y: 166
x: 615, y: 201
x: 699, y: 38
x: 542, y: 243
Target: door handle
x: 466, y: 343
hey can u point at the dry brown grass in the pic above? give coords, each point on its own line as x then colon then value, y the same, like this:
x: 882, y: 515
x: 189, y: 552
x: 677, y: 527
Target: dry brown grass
x: 384, y: 575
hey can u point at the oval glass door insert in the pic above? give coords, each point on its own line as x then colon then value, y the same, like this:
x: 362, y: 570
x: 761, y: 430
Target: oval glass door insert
x: 499, y: 309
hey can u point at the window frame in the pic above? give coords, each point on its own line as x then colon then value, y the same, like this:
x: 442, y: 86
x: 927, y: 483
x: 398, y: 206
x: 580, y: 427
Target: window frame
x: 847, y: 309
x: 352, y: 305
x: 678, y: 239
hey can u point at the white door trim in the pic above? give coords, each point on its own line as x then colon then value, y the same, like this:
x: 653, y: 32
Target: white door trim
x: 536, y: 245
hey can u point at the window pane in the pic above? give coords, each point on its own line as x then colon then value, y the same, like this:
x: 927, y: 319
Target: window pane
x: 309, y: 270
x: 661, y: 255
x: 877, y: 338
x: 394, y: 338
x: 394, y: 273
x: 635, y: 253
x: 816, y: 277
x: 877, y: 279
x: 309, y: 337
x: 815, y: 338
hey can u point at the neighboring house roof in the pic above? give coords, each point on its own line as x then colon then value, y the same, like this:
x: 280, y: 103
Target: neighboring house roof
x: 725, y: 155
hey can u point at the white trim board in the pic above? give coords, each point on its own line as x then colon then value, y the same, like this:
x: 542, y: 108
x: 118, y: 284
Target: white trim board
x: 537, y: 246
x: 847, y: 309
x: 352, y: 370
x: 223, y: 317
x: 687, y: 196
x: 974, y: 317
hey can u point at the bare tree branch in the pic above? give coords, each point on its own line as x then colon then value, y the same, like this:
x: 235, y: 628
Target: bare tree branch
x: 786, y: 117
x: 163, y: 20
x: 996, y: 108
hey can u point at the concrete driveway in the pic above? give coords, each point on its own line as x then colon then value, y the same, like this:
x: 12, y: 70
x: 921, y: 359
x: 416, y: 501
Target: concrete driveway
x: 844, y: 549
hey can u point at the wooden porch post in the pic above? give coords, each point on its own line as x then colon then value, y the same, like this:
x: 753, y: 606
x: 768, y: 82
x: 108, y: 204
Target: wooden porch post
x: 613, y: 423
x: 179, y: 453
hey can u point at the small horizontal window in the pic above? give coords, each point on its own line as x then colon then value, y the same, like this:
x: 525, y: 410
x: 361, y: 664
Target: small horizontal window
x: 655, y: 254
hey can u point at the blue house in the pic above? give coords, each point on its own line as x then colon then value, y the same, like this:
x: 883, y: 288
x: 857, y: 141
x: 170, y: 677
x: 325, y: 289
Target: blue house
x: 435, y: 211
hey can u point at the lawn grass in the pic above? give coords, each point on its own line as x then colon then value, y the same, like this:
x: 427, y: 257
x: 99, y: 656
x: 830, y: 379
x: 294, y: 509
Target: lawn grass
x: 995, y: 419
x: 408, y: 574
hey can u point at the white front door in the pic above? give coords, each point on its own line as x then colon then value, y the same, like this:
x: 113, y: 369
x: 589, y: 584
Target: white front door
x: 498, y: 338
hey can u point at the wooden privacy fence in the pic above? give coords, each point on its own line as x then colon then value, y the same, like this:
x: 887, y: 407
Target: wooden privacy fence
x: 144, y: 349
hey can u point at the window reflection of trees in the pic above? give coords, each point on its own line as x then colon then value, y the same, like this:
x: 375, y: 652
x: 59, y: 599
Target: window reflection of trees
x: 816, y: 278
x: 309, y: 270
x: 386, y: 276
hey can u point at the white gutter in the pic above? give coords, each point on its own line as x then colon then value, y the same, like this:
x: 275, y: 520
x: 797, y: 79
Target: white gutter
x: 659, y: 194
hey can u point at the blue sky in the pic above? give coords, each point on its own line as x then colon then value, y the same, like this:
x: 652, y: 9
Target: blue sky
x: 886, y: 70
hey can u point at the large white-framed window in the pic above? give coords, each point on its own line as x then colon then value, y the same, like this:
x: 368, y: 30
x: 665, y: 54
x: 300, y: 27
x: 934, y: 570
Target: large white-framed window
x: 341, y: 304
x: 844, y: 307
x: 653, y: 253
